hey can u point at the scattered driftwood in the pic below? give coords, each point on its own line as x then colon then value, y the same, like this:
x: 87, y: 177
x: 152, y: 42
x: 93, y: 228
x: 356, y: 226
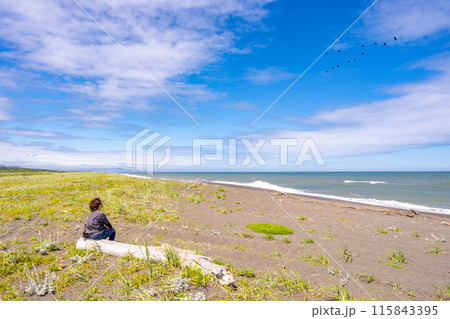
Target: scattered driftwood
x: 445, y: 223
x: 187, y: 257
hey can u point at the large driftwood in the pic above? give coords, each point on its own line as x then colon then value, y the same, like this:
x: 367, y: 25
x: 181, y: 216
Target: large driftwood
x: 187, y: 257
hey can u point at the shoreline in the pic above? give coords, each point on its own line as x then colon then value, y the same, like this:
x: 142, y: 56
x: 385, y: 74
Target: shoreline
x: 320, y: 197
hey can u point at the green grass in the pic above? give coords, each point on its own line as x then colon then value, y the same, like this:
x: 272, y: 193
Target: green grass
x: 65, y: 197
x: 273, y: 229
x: 395, y: 258
x: 383, y: 231
x: 442, y: 293
x: 368, y: 278
x: 435, y: 248
x: 307, y: 241
x: 315, y: 260
x: 347, y: 255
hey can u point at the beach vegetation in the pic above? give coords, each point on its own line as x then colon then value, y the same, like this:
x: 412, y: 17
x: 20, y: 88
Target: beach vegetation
x: 246, y: 272
x: 273, y: 229
x: 240, y: 247
x: 307, y: 241
x: 442, y: 293
x: 394, y: 228
x: 409, y: 293
x: 196, y: 276
x: 315, y: 260
x: 342, y: 293
x: 383, y: 231
x: 196, y: 198
x: 416, y: 235
x: 435, y: 248
x: 347, y: 255
x: 268, y: 237
x: 172, y: 257
x: 368, y: 278
x: 244, y: 235
x: 395, y: 258
x: 286, y: 240
x: 301, y: 218
x: 276, y: 254
x: 327, y: 237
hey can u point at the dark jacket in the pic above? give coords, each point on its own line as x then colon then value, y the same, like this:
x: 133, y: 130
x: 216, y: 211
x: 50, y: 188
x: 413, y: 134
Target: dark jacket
x: 96, y: 223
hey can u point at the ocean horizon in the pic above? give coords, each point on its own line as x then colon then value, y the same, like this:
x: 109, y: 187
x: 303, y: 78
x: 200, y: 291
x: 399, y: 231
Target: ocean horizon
x: 423, y: 191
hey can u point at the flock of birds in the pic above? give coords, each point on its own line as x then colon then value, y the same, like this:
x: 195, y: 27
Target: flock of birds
x: 362, y: 53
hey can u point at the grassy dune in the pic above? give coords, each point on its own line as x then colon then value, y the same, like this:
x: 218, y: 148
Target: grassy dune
x: 43, y: 213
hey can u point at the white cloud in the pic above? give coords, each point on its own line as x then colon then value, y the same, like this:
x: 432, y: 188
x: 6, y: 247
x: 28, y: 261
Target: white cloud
x: 268, y: 75
x: 5, y: 104
x: 33, y: 133
x: 417, y: 118
x: 39, y: 156
x: 409, y: 20
x: 168, y: 38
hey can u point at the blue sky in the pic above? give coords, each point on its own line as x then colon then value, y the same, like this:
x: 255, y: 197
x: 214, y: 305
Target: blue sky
x: 70, y: 96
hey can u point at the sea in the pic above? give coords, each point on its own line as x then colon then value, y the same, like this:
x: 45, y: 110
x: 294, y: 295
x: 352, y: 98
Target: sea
x: 422, y: 191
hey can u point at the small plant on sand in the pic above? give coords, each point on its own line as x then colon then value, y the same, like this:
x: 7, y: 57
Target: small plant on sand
x: 45, y: 246
x: 315, y: 260
x: 246, y: 272
x: 442, y: 293
x: 434, y: 249
x: 334, y: 271
x: 268, y: 237
x: 366, y: 278
x: 286, y: 240
x: 395, y: 258
x: 240, y: 247
x: 409, y: 293
x: 273, y: 229
x: 301, y: 218
x: 244, y: 235
x: 39, y: 284
x: 383, y: 231
x: 307, y: 241
x: 341, y: 291
x: 416, y: 235
x: 196, y: 276
x: 348, y: 256
x: 394, y: 228
x: 172, y: 257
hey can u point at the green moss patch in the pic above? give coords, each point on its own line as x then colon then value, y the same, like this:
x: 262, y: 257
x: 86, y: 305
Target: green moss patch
x: 273, y: 229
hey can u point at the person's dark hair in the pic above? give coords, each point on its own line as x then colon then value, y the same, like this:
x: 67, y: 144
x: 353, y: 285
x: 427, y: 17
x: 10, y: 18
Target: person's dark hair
x: 95, y: 204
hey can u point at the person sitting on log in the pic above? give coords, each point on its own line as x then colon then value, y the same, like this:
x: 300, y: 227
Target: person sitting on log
x: 98, y: 226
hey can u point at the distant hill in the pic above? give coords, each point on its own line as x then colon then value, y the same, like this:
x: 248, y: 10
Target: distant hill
x: 4, y: 170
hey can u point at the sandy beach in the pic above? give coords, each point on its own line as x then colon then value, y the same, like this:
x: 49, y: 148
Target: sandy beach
x: 368, y: 233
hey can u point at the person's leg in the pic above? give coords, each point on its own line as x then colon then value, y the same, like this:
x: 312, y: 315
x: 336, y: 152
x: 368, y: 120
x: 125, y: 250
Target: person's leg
x: 111, y: 233
x: 112, y: 236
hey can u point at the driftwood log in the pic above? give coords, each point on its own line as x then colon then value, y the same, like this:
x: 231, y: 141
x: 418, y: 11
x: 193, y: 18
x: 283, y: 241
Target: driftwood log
x: 158, y: 253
